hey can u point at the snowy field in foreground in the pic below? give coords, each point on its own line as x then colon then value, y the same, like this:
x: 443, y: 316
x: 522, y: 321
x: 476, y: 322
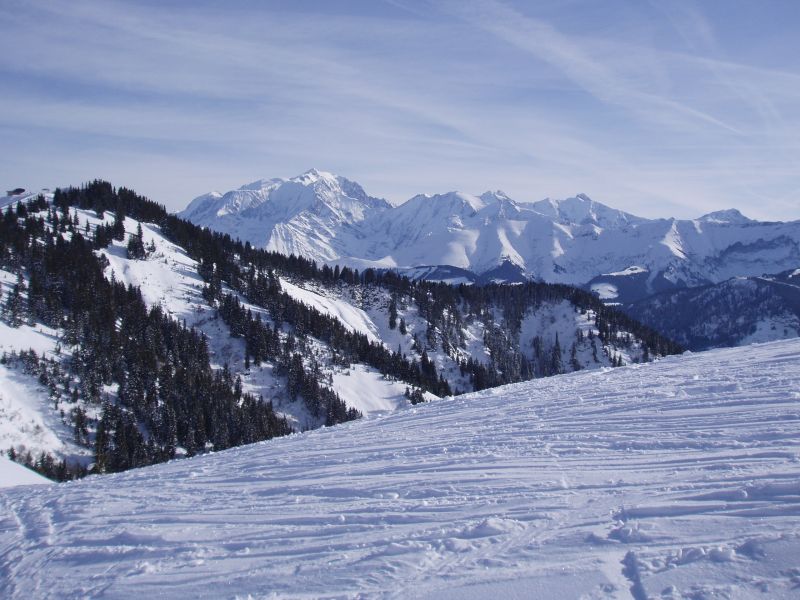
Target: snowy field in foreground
x: 679, y: 479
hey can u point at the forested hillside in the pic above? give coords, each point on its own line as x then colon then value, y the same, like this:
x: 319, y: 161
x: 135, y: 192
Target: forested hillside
x: 736, y: 312
x: 262, y: 343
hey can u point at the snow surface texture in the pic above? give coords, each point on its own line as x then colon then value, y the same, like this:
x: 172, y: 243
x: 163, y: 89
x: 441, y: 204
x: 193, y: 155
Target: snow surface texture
x: 331, y: 220
x: 13, y: 474
x: 676, y: 479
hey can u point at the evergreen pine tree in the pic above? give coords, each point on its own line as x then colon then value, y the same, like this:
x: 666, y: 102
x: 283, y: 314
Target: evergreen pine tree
x: 555, y: 358
x: 136, y: 249
x: 393, y: 312
x: 14, y: 305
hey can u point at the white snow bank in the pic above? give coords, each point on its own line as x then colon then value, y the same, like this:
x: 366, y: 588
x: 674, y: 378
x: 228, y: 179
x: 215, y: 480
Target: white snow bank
x: 39, y: 338
x: 13, y: 474
x: 605, y: 291
x: 367, y: 391
x: 26, y: 419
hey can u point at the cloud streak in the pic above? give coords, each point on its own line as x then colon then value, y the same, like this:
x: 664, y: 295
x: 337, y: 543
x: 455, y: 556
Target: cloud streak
x: 591, y: 69
x: 404, y: 97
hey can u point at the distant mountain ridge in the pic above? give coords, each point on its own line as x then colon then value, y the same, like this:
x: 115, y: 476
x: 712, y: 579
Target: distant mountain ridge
x: 735, y: 312
x: 578, y: 241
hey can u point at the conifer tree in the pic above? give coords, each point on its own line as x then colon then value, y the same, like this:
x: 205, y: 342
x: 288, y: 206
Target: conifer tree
x: 14, y: 305
x: 393, y: 312
x: 136, y: 249
x: 555, y: 358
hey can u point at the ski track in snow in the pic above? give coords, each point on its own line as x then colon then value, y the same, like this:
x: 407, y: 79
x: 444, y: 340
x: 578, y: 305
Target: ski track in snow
x: 674, y: 479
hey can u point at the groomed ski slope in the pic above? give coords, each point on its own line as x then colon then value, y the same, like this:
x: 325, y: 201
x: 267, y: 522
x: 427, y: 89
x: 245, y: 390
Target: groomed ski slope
x: 678, y: 479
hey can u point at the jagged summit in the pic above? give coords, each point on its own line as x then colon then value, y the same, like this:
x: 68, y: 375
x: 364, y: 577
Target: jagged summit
x: 314, y: 174
x: 731, y: 216
x: 489, y: 195
x: 282, y: 195
x: 582, y: 210
x: 498, y: 205
x: 453, y: 202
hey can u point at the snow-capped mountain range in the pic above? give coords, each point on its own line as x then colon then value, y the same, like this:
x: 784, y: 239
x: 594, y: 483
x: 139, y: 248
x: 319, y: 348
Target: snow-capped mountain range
x: 468, y: 337
x: 577, y: 241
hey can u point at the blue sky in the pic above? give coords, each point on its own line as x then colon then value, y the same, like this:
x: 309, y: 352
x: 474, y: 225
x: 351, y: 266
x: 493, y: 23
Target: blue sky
x: 660, y: 108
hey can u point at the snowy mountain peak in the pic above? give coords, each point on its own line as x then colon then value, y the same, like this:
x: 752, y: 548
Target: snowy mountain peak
x: 325, y: 181
x: 451, y: 203
x: 495, y: 196
x: 730, y: 216
x: 284, y: 197
x: 205, y: 205
x: 582, y: 210
x: 316, y: 173
x: 313, y: 176
x: 261, y: 184
x: 476, y: 203
x: 498, y: 206
x: 292, y: 216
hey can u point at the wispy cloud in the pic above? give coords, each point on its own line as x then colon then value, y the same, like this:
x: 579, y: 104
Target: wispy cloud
x: 593, y: 65
x: 402, y: 96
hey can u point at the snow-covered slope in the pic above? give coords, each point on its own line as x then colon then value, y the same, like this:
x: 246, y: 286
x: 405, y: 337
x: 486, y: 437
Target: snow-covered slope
x: 13, y: 474
x: 31, y: 418
x: 576, y: 240
x: 677, y: 479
